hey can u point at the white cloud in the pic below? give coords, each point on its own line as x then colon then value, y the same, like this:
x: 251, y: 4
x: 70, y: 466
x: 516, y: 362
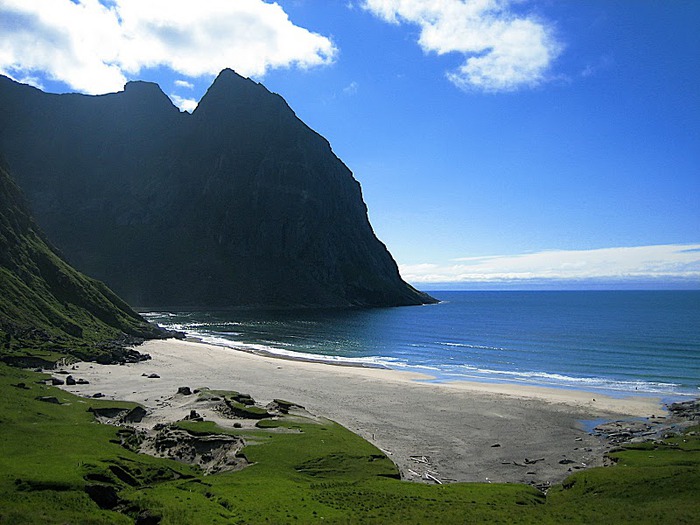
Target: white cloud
x: 351, y: 89
x: 184, y: 84
x: 603, y: 63
x: 503, y: 51
x: 75, y: 43
x: 185, y: 104
x: 669, y: 261
x: 93, y: 46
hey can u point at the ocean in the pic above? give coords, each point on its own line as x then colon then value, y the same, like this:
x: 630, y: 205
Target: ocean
x: 615, y: 342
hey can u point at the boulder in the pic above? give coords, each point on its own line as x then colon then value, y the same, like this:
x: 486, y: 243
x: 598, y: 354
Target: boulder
x: 135, y: 415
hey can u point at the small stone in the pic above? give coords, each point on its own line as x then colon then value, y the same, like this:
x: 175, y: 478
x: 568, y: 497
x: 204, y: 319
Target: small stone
x: 49, y: 399
x: 495, y: 445
x: 184, y: 390
x: 194, y: 416
x: 153, y: 376
x: 70, y: 381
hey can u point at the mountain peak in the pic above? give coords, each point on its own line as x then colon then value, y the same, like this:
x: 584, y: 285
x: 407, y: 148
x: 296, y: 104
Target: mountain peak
x: 229, y: 80
x: 228, y: 73
x: 231, y: 90
x: 146, y: 93
x: 141, y: 86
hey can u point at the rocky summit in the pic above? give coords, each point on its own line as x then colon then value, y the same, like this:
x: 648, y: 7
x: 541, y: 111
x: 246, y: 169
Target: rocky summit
x: 239, y: 204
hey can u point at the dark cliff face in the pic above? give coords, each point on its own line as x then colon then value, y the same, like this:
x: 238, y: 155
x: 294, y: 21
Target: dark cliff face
x: 45, y: 301
x: 238, y: 205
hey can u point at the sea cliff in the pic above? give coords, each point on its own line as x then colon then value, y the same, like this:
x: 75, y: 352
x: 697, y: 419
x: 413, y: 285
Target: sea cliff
x: 239, y: 204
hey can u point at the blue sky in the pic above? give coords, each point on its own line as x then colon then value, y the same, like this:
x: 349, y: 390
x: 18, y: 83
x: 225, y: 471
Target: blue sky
x: 498, y: 143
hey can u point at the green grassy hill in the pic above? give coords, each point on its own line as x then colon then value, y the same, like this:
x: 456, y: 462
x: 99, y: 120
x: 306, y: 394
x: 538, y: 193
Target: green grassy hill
x: 58, y: 466
x: 48, y: 306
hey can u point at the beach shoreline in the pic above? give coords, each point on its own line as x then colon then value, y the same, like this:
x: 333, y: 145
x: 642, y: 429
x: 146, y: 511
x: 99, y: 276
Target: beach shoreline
x: 628, y: 404
x: 455, y: 431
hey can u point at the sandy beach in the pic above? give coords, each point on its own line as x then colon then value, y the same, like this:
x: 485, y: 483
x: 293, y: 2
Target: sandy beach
x: 457, y: 431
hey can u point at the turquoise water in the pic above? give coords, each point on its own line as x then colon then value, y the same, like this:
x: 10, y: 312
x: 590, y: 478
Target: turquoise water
x: 613, y: 341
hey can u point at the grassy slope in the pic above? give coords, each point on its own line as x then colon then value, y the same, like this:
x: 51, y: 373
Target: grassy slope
x: 649, y: 484
x: 47, y: 305
x: 48, y: 449
x: 320, y: 470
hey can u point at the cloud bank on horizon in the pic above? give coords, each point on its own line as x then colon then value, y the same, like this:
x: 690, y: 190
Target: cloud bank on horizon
x: 663, y: 264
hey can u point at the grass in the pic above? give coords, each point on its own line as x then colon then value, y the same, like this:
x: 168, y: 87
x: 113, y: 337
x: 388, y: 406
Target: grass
x: 302, y: 471
x: 649, y: 484
x: 50, y: 453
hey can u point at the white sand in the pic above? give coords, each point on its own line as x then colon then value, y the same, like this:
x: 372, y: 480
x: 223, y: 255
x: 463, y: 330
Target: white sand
x: 447, y: 429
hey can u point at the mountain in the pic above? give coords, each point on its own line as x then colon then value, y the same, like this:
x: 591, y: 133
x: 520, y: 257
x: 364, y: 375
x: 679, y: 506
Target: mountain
x: 239, y: 204
x: 45, y: 303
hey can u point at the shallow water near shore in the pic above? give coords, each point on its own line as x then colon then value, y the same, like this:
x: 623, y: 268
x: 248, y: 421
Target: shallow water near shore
x: 616, y: 342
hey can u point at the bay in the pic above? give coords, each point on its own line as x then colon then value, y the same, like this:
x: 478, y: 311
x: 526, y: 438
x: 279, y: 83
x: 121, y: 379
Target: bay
x: 619, y: 342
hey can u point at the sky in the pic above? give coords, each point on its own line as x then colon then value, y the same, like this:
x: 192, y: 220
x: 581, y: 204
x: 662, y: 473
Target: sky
x: 499, y: 143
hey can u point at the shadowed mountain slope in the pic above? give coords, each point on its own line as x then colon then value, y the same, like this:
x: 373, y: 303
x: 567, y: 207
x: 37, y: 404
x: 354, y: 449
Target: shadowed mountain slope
x: 45, y: 303
x: 238, y: 205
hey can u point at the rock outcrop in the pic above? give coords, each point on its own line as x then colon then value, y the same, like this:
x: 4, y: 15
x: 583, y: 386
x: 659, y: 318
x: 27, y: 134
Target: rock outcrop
x: 239, y: 204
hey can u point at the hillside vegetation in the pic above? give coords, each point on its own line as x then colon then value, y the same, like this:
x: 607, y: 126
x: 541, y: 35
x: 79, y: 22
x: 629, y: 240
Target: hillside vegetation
x: 58, y: 466
x: 49, y: 307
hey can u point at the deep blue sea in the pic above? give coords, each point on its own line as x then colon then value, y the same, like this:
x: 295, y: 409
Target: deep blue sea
x: 634, y: 342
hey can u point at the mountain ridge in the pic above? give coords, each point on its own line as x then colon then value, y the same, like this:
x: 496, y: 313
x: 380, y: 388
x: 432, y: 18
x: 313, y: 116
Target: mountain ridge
x: 239, y: 204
